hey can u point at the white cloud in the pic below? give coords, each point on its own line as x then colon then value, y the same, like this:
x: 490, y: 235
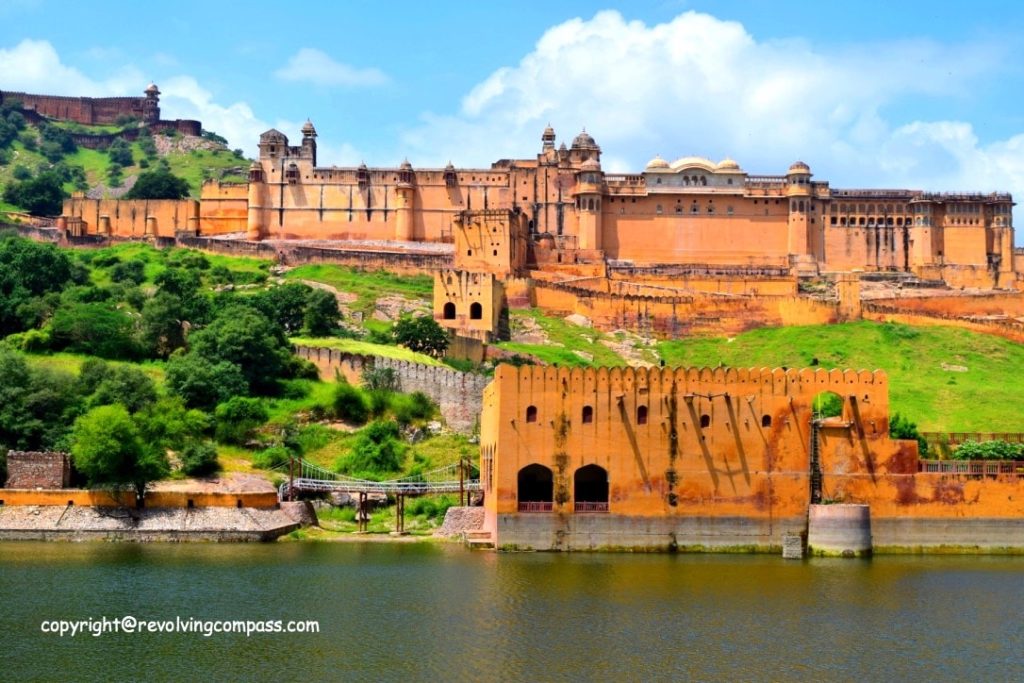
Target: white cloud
x: 34, y: 66
x: 700, y: 85
x: 309, y: 65
x: 183, y: 98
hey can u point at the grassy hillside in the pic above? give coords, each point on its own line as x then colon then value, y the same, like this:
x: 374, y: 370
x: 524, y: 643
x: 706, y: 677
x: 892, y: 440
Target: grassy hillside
x: 367, y: 286
x: 942, y: 378
x: 194, y: 165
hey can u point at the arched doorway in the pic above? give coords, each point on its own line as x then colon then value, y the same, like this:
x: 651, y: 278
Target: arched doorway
x: 476, y: 311
x: 590, y: 489
x: 535, y: 487
x: 449, y: 311
x: 827, y: 404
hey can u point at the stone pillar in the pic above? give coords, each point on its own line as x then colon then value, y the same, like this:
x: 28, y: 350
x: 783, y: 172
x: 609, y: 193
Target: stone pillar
x: 404, y: 227
x: 255, y: 229
x: 848, y: 289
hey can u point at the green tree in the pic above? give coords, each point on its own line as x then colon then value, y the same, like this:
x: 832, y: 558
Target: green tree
x: 28, y: 272
x: 202, y: 384
x: 377, y: 451
x: 120, y: 152
x: 238, y: 417
x: 133, y: 271
x: 243, y: 337
x: 199, y: 459
x: 107, y: 449
x: 321, y: 317
x: 158, y: 184
x: 284, y: 304
x: 162, y: 326
x: 36, y: 405
x: 41, y: 196
x: 96, y: 329
x: 105, y: 384
x: 422, y: 334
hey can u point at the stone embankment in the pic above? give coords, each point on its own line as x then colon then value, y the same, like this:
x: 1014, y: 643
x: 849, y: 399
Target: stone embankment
x: 458, y: 520
x: 80, y: 523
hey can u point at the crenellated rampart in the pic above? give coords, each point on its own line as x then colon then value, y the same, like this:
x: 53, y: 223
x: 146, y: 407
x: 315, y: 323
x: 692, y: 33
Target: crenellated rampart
x: 458, y: 394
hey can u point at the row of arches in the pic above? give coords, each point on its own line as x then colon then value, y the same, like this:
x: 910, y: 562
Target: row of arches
x: 476, y: 311
x: 535, y: 489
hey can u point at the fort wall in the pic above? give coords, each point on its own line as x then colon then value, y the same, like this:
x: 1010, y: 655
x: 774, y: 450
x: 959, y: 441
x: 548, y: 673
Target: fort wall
x: 715, y: 459
x: 675, y: 316
x: 458, y: 394
x: 131, y: 219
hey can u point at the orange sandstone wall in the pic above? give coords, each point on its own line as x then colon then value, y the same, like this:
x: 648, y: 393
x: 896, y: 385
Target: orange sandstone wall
x: 128, y: 218
x: 650, y: 230
x: 154, y: 499
x: 223, y: 208
x: 682, y: 442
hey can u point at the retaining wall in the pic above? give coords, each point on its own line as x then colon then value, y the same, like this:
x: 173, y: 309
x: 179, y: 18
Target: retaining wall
x: 458, y: 394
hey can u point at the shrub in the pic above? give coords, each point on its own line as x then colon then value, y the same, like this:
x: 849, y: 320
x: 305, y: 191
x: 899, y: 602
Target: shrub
x: 96, y: 329
x: 350, y: 404
x: 989, y: 450
x: 238, y: 417
x: 270, y: 458
x: 158, y: 184
x: 133, y: 271
x: 408, y: 408
x: 380, y: 379
x: 199, y: 459
x: 902, y: 428
x: 431, y: 508
x: 376, y: 451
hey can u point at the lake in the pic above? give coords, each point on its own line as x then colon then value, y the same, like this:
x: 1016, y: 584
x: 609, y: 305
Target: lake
x: 439, y: 612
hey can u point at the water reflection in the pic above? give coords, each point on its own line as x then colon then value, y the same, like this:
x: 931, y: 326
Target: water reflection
x: 425, y: 611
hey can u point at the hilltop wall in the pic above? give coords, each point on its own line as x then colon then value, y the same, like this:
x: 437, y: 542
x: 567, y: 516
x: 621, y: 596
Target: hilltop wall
x: 458, y: 394
x: 676, y: 316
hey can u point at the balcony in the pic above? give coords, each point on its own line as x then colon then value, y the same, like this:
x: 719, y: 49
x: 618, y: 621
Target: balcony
x: 535, y: 506
x: 583, y: 506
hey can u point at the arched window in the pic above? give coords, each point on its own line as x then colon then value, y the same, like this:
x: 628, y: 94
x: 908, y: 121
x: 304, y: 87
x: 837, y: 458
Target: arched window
x: 705, y: 420
x: 590, y: 489
x: 449, y: 311
x: 641, y: 415
x: 588, y: 414
x: 476, y: 311
x: 535, y: 488
x: 827, y: 404
x: 766, y: 420
x: 531, y: 413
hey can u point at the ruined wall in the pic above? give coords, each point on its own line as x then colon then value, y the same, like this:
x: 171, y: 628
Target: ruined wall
x: 458, y: 394
x: 674, y: 316
x: 401, y: 262
x: 134, y: 218
x: 33, y: 469
x: 1011, y: 329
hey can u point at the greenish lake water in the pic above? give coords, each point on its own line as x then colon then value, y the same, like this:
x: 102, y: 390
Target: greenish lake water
x: 429, y: 612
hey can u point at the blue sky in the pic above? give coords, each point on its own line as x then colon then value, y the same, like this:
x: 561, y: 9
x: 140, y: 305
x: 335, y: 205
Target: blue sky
x: 878, y: 94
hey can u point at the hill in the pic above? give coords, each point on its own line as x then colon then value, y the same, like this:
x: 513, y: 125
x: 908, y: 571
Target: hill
x: 27, y: 149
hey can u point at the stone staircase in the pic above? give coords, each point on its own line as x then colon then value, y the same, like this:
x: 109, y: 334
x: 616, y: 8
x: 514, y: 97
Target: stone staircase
x: 478, y: 540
